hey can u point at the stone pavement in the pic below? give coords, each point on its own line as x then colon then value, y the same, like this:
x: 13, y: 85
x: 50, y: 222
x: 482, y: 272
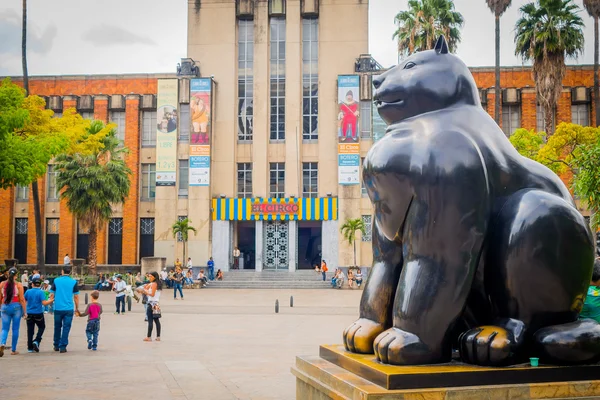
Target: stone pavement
x: 216, y: 344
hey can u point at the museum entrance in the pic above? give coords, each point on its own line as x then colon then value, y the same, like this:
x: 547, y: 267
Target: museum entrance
x: 246, y: 240
x: 276, y: 245
x: 309, y: 244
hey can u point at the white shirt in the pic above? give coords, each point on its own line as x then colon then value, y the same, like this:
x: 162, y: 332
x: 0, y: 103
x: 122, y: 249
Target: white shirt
x: 67, y: 260
x: 163, y: 275
x: 156, y: 296
x: 120, y: 285
x: 24, y: 279
x: 189, y: 264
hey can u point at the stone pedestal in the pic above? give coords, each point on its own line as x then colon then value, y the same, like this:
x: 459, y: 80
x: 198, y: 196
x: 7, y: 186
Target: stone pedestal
x: 11, y: 262
x: 153, y: 264
x: 351, y: 376
x: 78, y: 264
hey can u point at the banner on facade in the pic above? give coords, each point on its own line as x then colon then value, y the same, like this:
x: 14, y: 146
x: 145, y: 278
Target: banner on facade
x: 348, y: 130
x: 348, y: 164
x: 272, y: 209
x: 200, y: 113
x: 166, y: 132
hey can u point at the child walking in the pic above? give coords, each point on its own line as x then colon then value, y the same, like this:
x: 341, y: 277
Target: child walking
x: 93, y: 312
x: 36, y: 300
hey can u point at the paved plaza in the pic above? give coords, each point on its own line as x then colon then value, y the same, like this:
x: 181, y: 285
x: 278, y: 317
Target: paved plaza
x: 216, y: 344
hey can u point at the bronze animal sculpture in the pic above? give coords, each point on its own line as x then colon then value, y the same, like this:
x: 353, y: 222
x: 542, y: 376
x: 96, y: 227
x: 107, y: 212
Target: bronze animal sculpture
x: 475, y: 247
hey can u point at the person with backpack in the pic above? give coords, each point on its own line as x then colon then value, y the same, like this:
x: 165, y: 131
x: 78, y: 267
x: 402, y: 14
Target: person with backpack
x: 324, y: 270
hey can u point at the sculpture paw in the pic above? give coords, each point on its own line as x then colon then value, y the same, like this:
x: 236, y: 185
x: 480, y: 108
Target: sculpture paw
x: 487, y: 345
x: 399, y: 347
x: 359, y: 337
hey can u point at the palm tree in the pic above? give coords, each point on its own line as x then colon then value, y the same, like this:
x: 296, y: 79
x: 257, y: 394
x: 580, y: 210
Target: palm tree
x: 425, y: 20
x: 593, y: 8
x: 183, y: 228
x: 546, y: 33
x: 498, y: 7
x: 349, y: 229
x: 93, y: 184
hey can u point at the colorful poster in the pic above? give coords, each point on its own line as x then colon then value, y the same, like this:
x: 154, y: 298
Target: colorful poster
x: 199, y: 165
x: 166, y: 132
x: 200, y: 112
x: 348, y: 164
x: 348, y: 108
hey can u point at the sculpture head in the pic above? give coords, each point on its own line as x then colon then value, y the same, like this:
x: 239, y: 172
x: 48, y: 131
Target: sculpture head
x: 426, y: 81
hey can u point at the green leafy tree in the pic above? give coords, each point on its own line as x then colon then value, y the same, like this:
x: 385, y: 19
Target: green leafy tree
x: 527, y: 142
x: 546, y: 33
x: 349, y: 229
x: 587, y: 180
x: 183, y: 228
x: 498, y: 7
x: 593, y: 8
x: 92, y: 183
x: 419, y: 27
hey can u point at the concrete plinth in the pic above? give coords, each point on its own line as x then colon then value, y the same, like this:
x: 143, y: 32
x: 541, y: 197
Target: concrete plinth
x: 153, y: 264
x: 11, y: 262
x: 319, y: 379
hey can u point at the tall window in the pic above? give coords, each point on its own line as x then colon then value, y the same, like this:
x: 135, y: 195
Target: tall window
x: 245, y: 79
x: 244, y: 172
x: 22, y: 192
x: 148, y: 128
x: 184, y: 177
x: 580, y: 114
x: 184, y: 122
x: 118, y: 117
x: 368, y: 222
x: 366, y: 107
x: 277, y: 79
x: 310, y: 179
x: 52, y: 190
x: 148, y: 182
x: 277, y: 179
x: 540, y: 115
x: 511, y: 118
x: 310, y: 79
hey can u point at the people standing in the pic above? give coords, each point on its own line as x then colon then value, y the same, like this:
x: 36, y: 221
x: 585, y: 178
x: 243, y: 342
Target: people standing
x: 67, y: 259
x: 65, y: 294
x: 120, y: 287
x: 152, y: 290
x: 36, y: 300
x: 236, y: 258
x: 324, y: 270
x: 13, y: 307
x: 177, y: 282
x: 93, y: 311
x: 211, y: 269
x: 25, y: 281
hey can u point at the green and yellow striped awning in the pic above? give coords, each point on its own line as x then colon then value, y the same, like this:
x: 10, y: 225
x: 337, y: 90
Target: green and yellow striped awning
x: 285, y: 209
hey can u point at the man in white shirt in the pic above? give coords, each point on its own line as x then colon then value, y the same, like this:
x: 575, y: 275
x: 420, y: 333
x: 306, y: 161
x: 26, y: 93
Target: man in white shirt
x: 120, y: 288
x: 25, y: 280
x: 67, y: 259
x: 236, y: 258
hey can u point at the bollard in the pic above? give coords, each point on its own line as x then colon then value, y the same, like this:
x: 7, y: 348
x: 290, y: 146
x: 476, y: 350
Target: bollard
x: 276, y: 306
x: 86, y: 298
x: 128, y: 303
x: 291, y: 301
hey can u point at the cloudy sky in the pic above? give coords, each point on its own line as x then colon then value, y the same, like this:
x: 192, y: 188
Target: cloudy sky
x: 128, y: 36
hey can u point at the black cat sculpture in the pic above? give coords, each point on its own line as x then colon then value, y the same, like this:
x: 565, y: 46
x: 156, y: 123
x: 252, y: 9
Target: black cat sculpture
x: 475, y: 247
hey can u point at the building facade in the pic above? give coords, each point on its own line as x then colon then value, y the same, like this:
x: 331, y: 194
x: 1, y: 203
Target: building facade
x: 264, y: 170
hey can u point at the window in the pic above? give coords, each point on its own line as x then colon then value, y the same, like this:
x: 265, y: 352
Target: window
x: 368, y: 222
x: 511, y: 118
x: 21, y: 226
x: 277, y: 179
x: 52, y: 191
x: 277, y: 79
x: 52, y: 226
x: 244, y: 172
x: 147, y: 226
x: 148, y: 128
x: 363, y: 189
x: 184, y: 122
x: 184, y: 177
x: 366, y: 107
x: 245, y: 79
x: 179, y: 235
x: 118, y: 117
x: 87, y: 115
x: 148, y: 182
x: 23, y: 193
x: 115, y: 226
x: 310, y: 179
x: 540, y: 115
x: 310, y: 79
x: 580, y: 114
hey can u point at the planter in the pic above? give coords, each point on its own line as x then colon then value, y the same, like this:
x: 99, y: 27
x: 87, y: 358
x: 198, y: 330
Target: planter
x: 11, y: 262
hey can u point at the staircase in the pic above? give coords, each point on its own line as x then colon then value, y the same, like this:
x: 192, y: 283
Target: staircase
x: 301, y: 279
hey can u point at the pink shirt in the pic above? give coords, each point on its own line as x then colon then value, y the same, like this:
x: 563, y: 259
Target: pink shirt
x: 93, y: 311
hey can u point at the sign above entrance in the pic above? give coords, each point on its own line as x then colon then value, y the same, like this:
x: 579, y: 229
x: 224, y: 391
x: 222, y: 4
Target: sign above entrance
x: 288, y: 209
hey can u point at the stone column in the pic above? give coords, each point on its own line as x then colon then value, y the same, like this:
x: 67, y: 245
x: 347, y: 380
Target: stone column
x: 153, y: 264
x: 293, y: 245
x: 221, y: 244
x: 259, y: 246
x: 329, y: 244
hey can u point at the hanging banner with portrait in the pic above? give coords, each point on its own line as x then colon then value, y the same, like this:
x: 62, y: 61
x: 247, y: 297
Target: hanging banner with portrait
x: 200, y: 117
x: 348, y: 130
x: 166, y: 132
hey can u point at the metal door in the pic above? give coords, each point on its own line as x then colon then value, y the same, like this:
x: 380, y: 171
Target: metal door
x: 52, y: 229
x: 21, y: 240
x: 115, y: 241
x: 146, y: 238
x: 83, y: 242
x: 276, y: 245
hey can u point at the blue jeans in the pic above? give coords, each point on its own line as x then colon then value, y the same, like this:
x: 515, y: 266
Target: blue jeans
x: 324, y: 276
x: 11, y: 313
x: 62, y: 326
x: 177, y: 285
x: 92, y: 330
x: 120, y: 300
x: 211, y: 273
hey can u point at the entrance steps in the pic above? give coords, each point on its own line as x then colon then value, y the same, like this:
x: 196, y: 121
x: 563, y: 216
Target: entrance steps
x: 249, y: 279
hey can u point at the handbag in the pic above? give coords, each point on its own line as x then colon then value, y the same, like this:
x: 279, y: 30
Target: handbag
x: 156, y: 313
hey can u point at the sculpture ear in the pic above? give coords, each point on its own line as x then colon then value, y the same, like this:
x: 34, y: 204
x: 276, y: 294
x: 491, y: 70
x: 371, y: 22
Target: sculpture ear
x: 441, y: 46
